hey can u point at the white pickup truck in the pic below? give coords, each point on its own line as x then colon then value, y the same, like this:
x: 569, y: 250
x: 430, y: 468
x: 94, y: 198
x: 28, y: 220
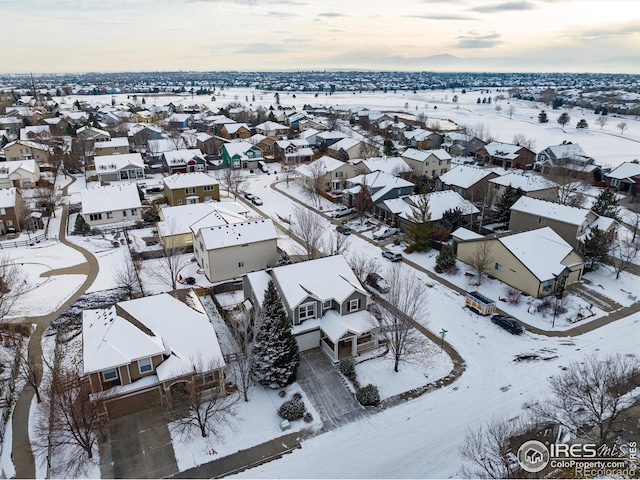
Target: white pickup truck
x: 342, y: 211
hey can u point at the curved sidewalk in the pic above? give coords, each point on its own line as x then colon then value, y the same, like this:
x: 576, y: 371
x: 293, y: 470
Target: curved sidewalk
x: 21, y: 449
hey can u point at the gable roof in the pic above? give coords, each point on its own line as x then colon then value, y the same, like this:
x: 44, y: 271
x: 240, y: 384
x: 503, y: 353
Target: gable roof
x: 8, y: 197
x: 109, y: 197
x: 464, y: 176
x: 190, y: 179
x: 547, y: 209
x: 625, y: 171
x: 269, y: 125
x: 239, y: 148
x: 439, y: 202
x: 527, y: 183
x: 345, y: 144
x: 181, y: 157
x: 329, y: 164
x: 234, y: 127
x: 115, y: 162
x: 229, y: 235
x: 422, y: 155
x: 503, y: 150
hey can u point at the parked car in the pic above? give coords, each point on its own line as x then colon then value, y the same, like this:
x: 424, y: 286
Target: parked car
x: 344, y: 229
x: 508, y: 323
x: 248, y: 196
x: 393, y: 256
x: 377, y: 282
x: 342, y: 211
x: 256, y: 200
x: 385, y: 232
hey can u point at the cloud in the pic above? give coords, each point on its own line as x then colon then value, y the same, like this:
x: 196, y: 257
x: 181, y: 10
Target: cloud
x: 614, y: 29
x: 505, y: 7
x: 262, y: 49
x: 476, y: 40
x: 443, y: 16
x: 331, y: 14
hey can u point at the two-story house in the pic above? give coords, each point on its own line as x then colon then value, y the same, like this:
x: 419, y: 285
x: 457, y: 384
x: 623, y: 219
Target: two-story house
x: 271, y: 129
x: 11, y: 210
x: 137, y: 352
x: 112, y: 168
x: 430, y: 163
x: 241, y: 155
x: 188, y: 188
x: 26, y: 150
x: 625, y: 178
x: 326, y: 174
x: 381, y: 186
x: 349, y: 149
x: 461, y: 144
x: 469, y: 181
x: 183, y: 161
x: 235, y: 130
x: 325, y: 302
x: 111, y: 204
x: 23, y: 174
x: 113, y: 146
x: 506, y: 155
x: 292, y: 152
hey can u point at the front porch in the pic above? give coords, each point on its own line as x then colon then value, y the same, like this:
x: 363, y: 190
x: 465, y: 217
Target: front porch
x: 347, y: 335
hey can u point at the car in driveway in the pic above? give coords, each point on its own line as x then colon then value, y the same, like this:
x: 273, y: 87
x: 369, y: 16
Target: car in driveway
x: 510, y: 324
x: 344, y: 229
x: 377, y: 282
x: 385, y: 232
x: 248, y: 196
x: 342, y: 211
x: 256, y: 200
x: 393, y: 256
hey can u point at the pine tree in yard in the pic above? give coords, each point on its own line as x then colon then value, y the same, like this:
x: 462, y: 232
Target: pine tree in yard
x: 509, y: 197
x: 542, y: 117
x: 606, y: 205
x: 595, y: 249
x: 276, y: 356
x: 446, y: 258
x: 452, y: 219
x: 81, y: 226
x: 419, y: 233
x: 564, y: 118
x: 582, y: 124
x: 390, y: 149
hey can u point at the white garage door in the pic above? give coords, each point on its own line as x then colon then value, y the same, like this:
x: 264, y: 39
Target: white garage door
x: 308, y: 340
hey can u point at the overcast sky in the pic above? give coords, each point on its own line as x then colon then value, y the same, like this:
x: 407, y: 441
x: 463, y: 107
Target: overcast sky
x: 485, y: 35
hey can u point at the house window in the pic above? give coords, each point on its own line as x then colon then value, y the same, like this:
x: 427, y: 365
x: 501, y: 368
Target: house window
x: 179, y: 202
x: 306, y: 311
x: 124, y: 214
x: 208, y: 188
x: 3, y: 211
x: 190, y: 190
x: 191, y: 201
x: 326, y: 305
x: 9, y: 223
x: 240, y: 264
x: 109, y: 214
x: 546, y: 286
x: 134, y: 212
x: 540, y: 220
x: 498, y: 267
x: 615, y: 182
x: 95, y: 216
x: 354, y: 304
x: 339, y: 174
x: 145, y: 365
x: 110, y: 375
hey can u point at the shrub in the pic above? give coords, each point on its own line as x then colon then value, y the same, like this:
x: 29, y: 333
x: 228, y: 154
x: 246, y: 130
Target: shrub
x: 446, y: 258
x: 308, y: 417
x: 368, y: 395
x: 514, y: 296
x: 282, y: 393
x: 291, y: 410
x: 297, y: 396
x: 347, y: 366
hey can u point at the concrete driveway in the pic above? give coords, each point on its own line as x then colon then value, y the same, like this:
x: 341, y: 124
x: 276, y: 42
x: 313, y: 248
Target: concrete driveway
x: 324, y: 387
x: 138, y: 446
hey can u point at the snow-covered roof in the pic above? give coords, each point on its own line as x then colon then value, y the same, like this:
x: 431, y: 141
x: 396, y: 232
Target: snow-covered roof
x: 604, y: 224
x: 8, y: 168
x: 30, y: 144
x: 344, y: 144
x: 37, y: 130
x: 234, y: 127
x: 526, y: 182
x: 325, y: 278
x: 138, y: 127
x: 109, y: 341
x: 566, y: 150
x: 541, y: 251
x: 187, y: 333
x: 439, y: 202
x: 329, y: 164
x: 228, y: 235
x: 181, y: 157
x: 503, y: 150
x: 331, y: 135
x: 625, y: 171
x: 114, y: 142
x: 115, y: 162
x: 92, y: 131
x: 161, y: 145
x: 109, y: 198
x: 380, y: 181
x: 335, y: 326
x: 189, y: 179
x: 390, y: 165
x: 465, y: 234
x: 422, y: 155
x: 259, y: 282
x: 269, y: 125
x: 239, y: 148
x: 547, y: 209
x: 8, y: 197
x: 464, y: 176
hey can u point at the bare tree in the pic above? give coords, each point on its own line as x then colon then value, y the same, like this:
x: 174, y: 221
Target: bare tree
x: 624, y: 250
x: 488, y: 451
x: 602, y: 120
x: 498, y: 108
x: 315, y: 181
x: 479, y: 130
x: 336, y: 243
x: 49, y: 198
x: 588, y: 397
x: 244, y: 328
x: 170, y: 258
x: 363, y: 265
x: 569, y: 179
x: 363, y: 202
x: 233, y: 180
x: 71, y: 420
x: 511, y: 109
x: 126, y: 277
x: 333, y: 122
x: 522, y: 140
x: 404, y: 304
x: 309, y: 227
x: 481, y: 259
x: 622, y: 126
x: 29, y: 367
x: 12, y: 286
x: 369, y: 148
x: 199, y: 406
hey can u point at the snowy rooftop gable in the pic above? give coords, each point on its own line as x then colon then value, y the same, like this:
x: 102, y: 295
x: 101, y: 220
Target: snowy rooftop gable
x: 113, y: 163
x: 109, y: 341
x: 567, y: 150
x: 26, y: 165
x: 547, y: 209
x: 422, y: 155
x: 502, y: 150
x: 239, y: 148
x: 465, y: 234
x: 269, y: 125
x: 114, y: 142
x: 464, y: 176
x: 439, y: 202
x: 625, y: 171
x: 329, y: 164
x: 186, y: 332
x: 181, y: 157
x: 344, y: 144
x: 190, y: 179
x: 390, y: 165
x: 325, y: 278
x: 8, y: 197
x: 178, y: 220
x: 541, y: 251
x: 242, y: 233
x: 109, y: 198
x: 379, y: 179
x: 526, y: 182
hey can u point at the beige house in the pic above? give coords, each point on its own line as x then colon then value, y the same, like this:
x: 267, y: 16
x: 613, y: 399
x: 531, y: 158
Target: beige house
x: 135, y: 353
x: 192, y: 187
x: 326, y: 173
x: 111, y: 204
x: 349, y: 149
x: 23, y: 174
x: 113, y: 168
x: 431, y: 163
x: 232, y: 250
x: 11, y: 210
x: 571, y: 223
x: 26, y: 150
x: 537, y: 262
x: 271, y: 129
x: 113, y: 146
x: 535, y: 186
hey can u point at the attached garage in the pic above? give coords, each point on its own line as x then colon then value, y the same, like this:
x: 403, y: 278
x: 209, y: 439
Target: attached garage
x: 136, y: 402
x: 308, y: 340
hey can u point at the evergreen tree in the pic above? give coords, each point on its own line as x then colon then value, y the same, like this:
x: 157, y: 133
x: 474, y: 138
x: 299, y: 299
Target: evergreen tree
x: 509, y: 197
x: 271, y: 117
x: 150, y: 215
x: 419, y: 233
x: 276, y: 356
x: 595, y: 248
x: 606, y: 204
x: 81, y: 226
x: 582, y: 124
x: 542, y: 117
x: 446, y: 258
x: 564, y: 118
x: 389, y: 148
x: 452, y: 219
x: 283, y: 259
